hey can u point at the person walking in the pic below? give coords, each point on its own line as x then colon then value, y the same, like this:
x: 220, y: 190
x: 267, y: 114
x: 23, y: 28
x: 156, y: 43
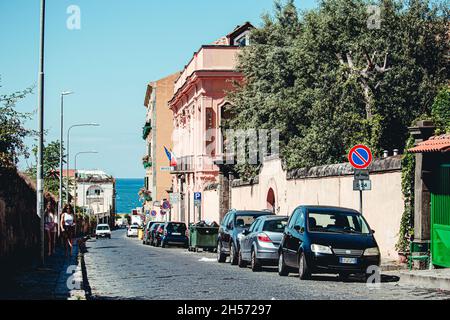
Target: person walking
x: 68, y: 228
x: 50, y: 227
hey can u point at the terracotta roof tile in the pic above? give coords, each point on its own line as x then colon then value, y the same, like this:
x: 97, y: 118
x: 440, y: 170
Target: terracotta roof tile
x: 434, y: 144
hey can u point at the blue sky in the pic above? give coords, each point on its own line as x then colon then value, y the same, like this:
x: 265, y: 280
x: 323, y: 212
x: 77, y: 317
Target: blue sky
x: 121, y: 46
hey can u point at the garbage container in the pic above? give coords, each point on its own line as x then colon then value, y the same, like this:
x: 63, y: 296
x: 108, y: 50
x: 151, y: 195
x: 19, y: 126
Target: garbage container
x: 202, y: 236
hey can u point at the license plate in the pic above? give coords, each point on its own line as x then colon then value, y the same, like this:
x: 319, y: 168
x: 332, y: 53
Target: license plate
x: 176, y: 234
x: 348, y: 260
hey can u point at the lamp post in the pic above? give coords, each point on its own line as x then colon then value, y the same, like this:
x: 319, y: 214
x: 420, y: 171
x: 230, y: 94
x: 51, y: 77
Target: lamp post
x: 40, y: 162
x: 61, y: 148
x: 76, y: 156
x: 68, y: 154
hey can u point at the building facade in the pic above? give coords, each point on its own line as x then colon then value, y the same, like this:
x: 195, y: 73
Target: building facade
x: 157, y: 133
x: 198, y: 99
x: 96, y: 195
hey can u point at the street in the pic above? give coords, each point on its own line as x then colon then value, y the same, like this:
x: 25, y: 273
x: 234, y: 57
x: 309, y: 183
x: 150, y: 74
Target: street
x: 123, y: 268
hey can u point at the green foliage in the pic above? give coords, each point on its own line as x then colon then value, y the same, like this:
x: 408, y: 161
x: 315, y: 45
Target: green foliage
x: 326, y: 81
x: 51, y: 168
x: 441, y: 111
x: 407, y: 222
x: 12, y: 130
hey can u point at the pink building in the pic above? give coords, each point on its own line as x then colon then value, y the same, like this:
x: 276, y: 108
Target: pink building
x: 199, y: 96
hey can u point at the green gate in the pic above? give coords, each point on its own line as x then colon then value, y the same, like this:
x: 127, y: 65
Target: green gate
x: 440, y: 218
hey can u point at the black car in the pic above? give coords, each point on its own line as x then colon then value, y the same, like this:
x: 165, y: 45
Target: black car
x: 232, y: 225
x: 175, y: 233
x: 147, y: 232
x: 152, y: 233
x: 327, y: 240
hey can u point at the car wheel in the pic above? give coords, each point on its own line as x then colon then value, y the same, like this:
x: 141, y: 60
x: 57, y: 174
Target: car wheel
x: 343, y: 276
x: 220, y: 256
x: 233, y: 255
x: 241, y: 263
x: 282, y: 267
x: 256, y: 265
x: 303, y: 269
x: 163, y: 244
x: 96, y: 238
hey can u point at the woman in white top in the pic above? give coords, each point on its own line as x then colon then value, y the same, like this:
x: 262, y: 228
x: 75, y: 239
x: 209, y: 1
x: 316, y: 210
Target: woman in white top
x: 50, y: 227
x: 68, y: 228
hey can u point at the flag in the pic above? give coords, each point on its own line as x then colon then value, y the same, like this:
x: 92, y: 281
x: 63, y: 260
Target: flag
x: 171, y: 157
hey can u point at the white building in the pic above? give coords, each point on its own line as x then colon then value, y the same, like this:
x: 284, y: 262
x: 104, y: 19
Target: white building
x: 96, y: 194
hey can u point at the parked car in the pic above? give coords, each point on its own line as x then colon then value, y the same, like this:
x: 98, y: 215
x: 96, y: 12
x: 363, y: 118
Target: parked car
x: 260, y: 243
x: 152, y: 233
x: 232, y: 225
x: 133, y: 230
x: 159, y: 233
x: 175, y: 233
x: 103, y: 231
x: 327, y: 240
x: 148, y: 226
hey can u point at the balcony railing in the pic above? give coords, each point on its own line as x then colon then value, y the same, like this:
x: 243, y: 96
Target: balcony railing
x: 192, y: 163
x: 146, y: 131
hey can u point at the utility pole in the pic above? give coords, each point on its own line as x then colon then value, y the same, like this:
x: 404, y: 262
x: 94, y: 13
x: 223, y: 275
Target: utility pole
x: 40, y: 160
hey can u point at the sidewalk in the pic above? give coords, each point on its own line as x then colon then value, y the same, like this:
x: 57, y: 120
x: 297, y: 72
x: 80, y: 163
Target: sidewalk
x: 48, y: 283
x: 433, y: 279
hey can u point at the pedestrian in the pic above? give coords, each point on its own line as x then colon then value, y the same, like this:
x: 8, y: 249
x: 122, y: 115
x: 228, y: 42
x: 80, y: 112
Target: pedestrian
x: 50, y: 227
x: 67, y: 228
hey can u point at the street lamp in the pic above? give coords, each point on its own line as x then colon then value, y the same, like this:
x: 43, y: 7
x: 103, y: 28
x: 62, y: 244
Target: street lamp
x: 68, y: 154
x: 76, y: 156
x: 61, y: 147
x: 40, y: 157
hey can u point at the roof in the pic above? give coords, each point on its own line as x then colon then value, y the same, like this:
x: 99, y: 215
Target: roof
x: 272, y: 217
x: 326, y: 208
x: 439, y: 143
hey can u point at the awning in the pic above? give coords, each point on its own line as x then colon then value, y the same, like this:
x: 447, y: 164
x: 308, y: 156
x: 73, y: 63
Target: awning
x: 434, y: 144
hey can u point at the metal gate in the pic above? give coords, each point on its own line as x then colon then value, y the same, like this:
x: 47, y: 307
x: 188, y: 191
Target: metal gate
x: 440, y: 218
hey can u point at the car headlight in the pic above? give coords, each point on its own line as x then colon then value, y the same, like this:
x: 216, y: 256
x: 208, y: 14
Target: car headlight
x: 317, y: 248
x: 372, y: 252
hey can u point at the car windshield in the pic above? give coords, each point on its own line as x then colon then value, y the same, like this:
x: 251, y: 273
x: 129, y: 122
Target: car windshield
x: 337, y: 221
x: 134, y: 227
x: 245, y: 221
x: 177, y: 228
x: 102, y: 228
x: 275, y: 225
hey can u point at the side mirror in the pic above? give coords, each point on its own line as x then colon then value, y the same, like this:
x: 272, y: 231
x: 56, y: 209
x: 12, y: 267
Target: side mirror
x: 299, y: 229
x: 230, y: 226
x: 373, y: 231
x: 246, y: 232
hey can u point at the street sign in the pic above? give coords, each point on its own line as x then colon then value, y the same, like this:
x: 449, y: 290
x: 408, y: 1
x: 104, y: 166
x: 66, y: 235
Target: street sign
x: 360, y: 157
x: 157, y: 204
x: 166, y: 205
x: 154, y: 213
x: 197, y: 198
x: 362, y: 185
x: 168, y: 169
x: 362, y: 175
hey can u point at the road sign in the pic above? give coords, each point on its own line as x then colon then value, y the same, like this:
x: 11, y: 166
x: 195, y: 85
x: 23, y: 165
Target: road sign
x: 166, y: 205
x: 163, y: 212
x: 360, y: 157
x: 362, y: 174
x: 154, y: 213
x: 197, y: 198
x: 157, y: 204
x: 168, y: 169
x: 362, y: 185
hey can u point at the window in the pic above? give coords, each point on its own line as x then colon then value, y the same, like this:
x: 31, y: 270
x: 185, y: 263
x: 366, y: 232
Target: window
x: 225, y: 219
x: 293, y: 218
x: 244, y: 221
x: 300, y: 221
x: 275, y: 225
x: 337, y: 222
x: 242, y: 40
x: 254, y: 227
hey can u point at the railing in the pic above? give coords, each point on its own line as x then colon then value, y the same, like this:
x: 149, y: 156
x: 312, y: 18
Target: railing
x: 195, y: 163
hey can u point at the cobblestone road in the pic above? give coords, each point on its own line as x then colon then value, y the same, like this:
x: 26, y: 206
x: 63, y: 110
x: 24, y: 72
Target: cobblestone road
x: 123, y: 268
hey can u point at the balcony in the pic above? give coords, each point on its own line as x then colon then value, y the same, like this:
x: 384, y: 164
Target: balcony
x: 146, y: 131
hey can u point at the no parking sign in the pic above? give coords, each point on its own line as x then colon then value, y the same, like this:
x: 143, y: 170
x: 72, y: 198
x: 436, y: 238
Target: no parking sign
x: 360, y: 157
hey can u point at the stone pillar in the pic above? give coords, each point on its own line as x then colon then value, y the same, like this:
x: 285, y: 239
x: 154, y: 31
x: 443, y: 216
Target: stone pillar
x: 422, y: 198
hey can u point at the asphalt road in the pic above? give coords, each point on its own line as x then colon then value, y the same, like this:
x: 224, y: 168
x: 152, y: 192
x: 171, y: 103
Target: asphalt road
x: 124, y: 268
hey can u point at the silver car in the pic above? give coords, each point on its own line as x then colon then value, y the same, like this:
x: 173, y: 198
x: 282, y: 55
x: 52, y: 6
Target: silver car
x: 259, y: 244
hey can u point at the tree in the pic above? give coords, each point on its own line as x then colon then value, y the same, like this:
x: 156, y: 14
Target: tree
x: 51, y: 167
x: 440, y: 111
x: 12, y: 129
x: 326, y: 81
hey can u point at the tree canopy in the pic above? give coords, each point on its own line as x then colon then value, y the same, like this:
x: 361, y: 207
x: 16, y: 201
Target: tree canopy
x: 327, y: 81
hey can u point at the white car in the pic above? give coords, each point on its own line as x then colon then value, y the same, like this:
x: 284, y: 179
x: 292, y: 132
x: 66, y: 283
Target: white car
x: 103, y: 231
x: 133, y: 231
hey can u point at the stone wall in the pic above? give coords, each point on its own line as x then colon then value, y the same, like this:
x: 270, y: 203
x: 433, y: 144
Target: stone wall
x: 330, y: 185
x: 19, y: 224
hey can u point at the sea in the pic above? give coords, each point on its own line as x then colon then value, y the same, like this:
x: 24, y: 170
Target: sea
x: 127, y: 197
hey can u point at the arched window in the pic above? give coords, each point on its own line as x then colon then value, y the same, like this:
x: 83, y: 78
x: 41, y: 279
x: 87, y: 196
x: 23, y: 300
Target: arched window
x: 271, y: 200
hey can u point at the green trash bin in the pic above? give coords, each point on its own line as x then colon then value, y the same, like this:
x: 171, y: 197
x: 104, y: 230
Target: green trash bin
x: 202, y: 237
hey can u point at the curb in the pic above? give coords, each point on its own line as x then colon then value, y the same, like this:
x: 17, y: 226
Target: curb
x: 432, y: 281
x: 85, y: 291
